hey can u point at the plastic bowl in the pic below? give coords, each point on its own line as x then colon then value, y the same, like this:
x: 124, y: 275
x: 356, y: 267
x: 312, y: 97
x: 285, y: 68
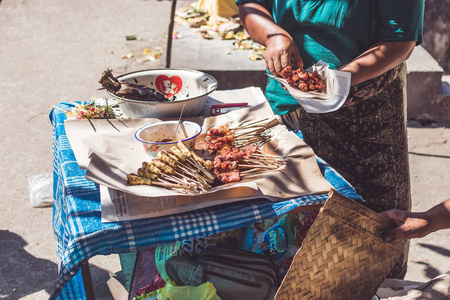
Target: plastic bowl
x: 162, y: 136
x: 189, y: 87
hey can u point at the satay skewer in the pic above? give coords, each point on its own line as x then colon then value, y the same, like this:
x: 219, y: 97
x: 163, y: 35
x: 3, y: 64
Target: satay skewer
x: 174, y: 162
x: 196, y: 160
x: 159, y: 167
x: 165, y: 172
x: 154, y: 178
x: 258, y: 166
x: 187, y: 161
x: 134, y: 179
x: 259, y: 163
x: 262, y: 160
x: 185, y: 172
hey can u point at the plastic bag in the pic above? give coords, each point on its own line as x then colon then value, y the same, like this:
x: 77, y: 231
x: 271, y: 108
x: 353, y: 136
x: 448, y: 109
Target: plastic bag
x: 41, y: 189
x: 205, y: 291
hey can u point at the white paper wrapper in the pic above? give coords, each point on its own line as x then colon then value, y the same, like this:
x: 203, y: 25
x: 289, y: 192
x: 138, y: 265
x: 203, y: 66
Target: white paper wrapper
x: 337, y: 87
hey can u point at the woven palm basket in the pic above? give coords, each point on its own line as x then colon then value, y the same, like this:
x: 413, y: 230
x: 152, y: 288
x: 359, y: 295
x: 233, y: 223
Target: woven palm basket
x: 343, y: 255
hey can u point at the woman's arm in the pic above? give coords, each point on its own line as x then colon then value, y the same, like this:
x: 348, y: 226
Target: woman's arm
x: 416, y: 225
x: 280, y: 47
x: 381, y: 57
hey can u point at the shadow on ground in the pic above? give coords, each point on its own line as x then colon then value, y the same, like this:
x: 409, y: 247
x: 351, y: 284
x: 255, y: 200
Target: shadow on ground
x: 24, y: 274
x: 431, y: 272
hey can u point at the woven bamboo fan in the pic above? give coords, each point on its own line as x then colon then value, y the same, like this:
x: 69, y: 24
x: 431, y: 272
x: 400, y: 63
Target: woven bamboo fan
x: 343, y: 255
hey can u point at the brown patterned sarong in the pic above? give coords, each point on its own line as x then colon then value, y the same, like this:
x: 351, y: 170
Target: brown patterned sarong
x: 366, y: 142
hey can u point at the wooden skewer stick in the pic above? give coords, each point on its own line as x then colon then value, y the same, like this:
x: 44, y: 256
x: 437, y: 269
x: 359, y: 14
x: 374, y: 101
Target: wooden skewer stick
x: 250, y: 140
x: 242, y: 173
x: 247, y: 133
x: 270, y: 160
x: 168, y: 185
x: 193, y: 171
x: 242, y: 144
x: 254, y: 122
x: 259, y: 163
x: 243, y: 128
x: 202, y: 169
x: 198, y: 179
x: 272, y: 156
x: 246, y: 142
x: 257, y: 166
x: 252, y: 133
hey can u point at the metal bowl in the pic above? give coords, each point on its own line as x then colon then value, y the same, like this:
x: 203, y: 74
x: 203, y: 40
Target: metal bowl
x: 190, y: 89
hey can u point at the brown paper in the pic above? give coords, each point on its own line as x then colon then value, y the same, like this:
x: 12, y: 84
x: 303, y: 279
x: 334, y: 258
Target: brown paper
x: 114, y: 154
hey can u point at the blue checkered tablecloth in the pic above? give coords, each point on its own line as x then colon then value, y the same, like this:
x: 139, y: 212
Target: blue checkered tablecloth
x: 80, y: 234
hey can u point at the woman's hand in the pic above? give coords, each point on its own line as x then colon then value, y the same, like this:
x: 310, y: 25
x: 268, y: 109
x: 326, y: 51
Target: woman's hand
x: 281, y: 50
x: 416, y: 225
x: 410, y: 225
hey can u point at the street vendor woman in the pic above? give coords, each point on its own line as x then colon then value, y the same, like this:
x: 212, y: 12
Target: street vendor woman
x: 365, y: 139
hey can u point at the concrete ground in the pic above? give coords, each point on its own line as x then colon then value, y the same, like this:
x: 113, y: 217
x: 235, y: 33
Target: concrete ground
x: 54, y: 51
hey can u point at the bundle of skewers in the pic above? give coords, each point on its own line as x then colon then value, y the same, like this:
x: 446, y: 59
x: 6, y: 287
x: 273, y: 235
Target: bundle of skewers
x: 233, y: 164
x: 237, y: 156
x: 255, y: 132
x: 237, y: 152
x: 179, y: 169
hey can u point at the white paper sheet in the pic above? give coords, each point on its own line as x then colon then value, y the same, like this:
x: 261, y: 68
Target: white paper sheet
x: 334, y: 96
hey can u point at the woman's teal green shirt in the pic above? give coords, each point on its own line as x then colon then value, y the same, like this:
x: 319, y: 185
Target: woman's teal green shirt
x: 337, y: 31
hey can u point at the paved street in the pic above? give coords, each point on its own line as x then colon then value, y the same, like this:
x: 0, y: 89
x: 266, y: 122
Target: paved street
x: 55, y: 51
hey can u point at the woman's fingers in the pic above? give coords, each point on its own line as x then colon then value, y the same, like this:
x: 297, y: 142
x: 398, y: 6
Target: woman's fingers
x: 396, y: 233
x: 273, y: 63
x: 410, y: 225
x: 269, y: 64
x: 280, y: 53
x: 297, y: 60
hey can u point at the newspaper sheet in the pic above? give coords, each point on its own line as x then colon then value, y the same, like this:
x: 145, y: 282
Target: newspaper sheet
x: 121, y: 206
